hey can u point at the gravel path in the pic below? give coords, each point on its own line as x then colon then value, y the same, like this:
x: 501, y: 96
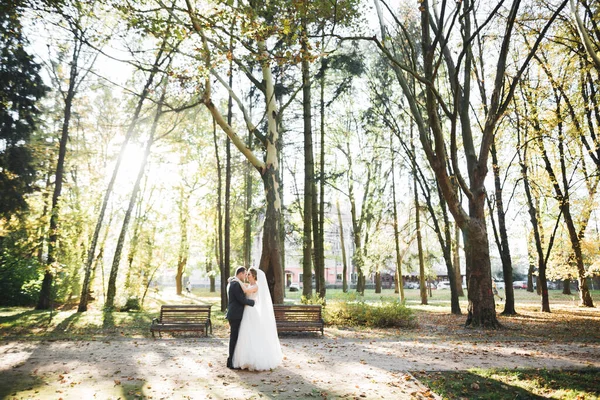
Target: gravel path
x: 342, y: 364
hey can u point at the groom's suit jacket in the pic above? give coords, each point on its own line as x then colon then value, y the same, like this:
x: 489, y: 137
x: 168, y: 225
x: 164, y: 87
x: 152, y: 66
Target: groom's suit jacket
x: 237, y: 301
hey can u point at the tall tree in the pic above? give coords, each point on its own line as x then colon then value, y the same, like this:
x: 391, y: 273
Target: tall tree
x: 111, y: 290
x: 310, y: 222
x: 80, y: 65
x: 343, y: 248
x: 501, y: 235
x: 160, y: 58
x: 21, y: 87
x: 435, y: 40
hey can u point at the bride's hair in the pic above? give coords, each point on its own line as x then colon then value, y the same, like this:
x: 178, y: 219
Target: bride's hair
x: 252, y: 271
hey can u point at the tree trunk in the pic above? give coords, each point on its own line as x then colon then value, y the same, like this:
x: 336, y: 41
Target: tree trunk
x: 343, y: 248
x: 481, y: 308
x: 503, y: 247
x: 567, y: 286
x: 309, y: 215
x: 446, y: 244
x: 248, y: 215
x: 398, y: 278
x: 227, y: 231
x: 184, y: 246
x: 456, y: 262
x: 219, y: 240
x: 270, y: 261
x: 45, y: 299
x: 423, y: 288
x: 377, y: 282
x: 357, y: 257
x: 112, y: 280
x: 319, y: 243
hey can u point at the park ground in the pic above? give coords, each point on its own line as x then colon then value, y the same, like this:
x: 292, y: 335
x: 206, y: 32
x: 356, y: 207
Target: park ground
x: 95, y: 355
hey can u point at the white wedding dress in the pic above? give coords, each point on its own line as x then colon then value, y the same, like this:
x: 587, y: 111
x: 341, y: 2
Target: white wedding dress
x: 258, y: 347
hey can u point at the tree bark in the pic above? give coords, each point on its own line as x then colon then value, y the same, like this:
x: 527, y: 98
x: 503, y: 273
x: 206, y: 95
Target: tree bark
x: 184, y: 246
x: 310, y: 222
x: 567, y: 286
x: 219, y: 239
x: 227, y: 227
x: 248, y: 215
x: 343, y: 248
x: 398, y: 277
x: 319, y: 244
x: 270, y: 261
x: 422, y: 278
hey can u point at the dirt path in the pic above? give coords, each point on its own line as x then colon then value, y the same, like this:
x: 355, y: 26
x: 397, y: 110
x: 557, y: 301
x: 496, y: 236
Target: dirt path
x: 342, y: 364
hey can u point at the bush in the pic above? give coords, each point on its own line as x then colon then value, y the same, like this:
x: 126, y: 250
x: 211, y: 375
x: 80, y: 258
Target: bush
x: 20, y: 280
x: 132, y: 304
x: 385, y: 315
x: 313, y: 300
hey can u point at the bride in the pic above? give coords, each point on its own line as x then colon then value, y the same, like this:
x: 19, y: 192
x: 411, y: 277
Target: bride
x: 258, y: 347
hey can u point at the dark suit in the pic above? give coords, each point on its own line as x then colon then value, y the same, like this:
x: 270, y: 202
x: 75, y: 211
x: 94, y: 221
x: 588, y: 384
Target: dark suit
x: 235, y: 311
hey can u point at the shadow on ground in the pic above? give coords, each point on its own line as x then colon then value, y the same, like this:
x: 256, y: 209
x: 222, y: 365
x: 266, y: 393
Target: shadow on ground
x: 512, y: 384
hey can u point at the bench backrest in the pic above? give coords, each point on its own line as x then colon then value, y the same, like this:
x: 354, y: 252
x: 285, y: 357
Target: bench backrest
x: 184, y: 313
x: 305, y: 312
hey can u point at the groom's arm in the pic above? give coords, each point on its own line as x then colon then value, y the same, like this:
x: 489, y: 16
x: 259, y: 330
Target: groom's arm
x: 239, y: 296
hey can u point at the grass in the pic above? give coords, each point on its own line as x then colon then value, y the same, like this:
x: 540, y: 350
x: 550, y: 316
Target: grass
x: 500, y: 384
x: 67, y: 323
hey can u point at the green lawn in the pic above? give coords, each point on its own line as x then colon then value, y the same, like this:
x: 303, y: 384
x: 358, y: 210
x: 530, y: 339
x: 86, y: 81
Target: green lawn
x: 504, y: 384
x: 67, y: 323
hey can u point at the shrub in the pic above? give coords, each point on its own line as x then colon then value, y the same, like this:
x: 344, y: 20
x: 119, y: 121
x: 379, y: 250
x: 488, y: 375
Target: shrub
x: 313, y: 300
x: 132, y: 304
x: 385, y: 315
x: 20, y: 280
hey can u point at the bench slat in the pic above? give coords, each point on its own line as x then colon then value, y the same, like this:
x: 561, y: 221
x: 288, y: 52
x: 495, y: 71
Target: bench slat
x: 298, y: 318
x: 188, y: 317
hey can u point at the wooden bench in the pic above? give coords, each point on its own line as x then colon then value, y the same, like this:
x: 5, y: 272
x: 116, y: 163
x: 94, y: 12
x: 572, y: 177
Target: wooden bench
x: 182, y: 318
x: 298, y: 318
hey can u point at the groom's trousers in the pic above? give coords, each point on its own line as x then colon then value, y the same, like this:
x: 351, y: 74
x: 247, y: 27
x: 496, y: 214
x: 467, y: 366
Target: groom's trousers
x: 234, y: 324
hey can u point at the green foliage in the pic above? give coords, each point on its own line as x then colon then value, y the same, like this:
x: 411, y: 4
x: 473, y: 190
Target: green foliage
x: 20, y: 89
x: 384, y: 315
x: 313, y: 300
x: 19, y: 284
x: 132, y: 304
x: 19, y: 266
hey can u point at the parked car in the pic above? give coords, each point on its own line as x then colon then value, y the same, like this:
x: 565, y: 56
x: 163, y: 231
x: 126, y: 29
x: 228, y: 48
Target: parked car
x: 412, y: 285
x: 520, y: 284
x: 500, y: 285
x: 443, y: 285
x: 552, y: 285
x: 294, y: 287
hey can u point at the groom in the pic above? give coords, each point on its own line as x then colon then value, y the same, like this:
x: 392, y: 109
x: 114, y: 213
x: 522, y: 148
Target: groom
x: 235, y: 310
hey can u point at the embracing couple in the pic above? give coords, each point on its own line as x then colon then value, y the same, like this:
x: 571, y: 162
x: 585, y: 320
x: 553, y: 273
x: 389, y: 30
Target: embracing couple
x: 253, y: 341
